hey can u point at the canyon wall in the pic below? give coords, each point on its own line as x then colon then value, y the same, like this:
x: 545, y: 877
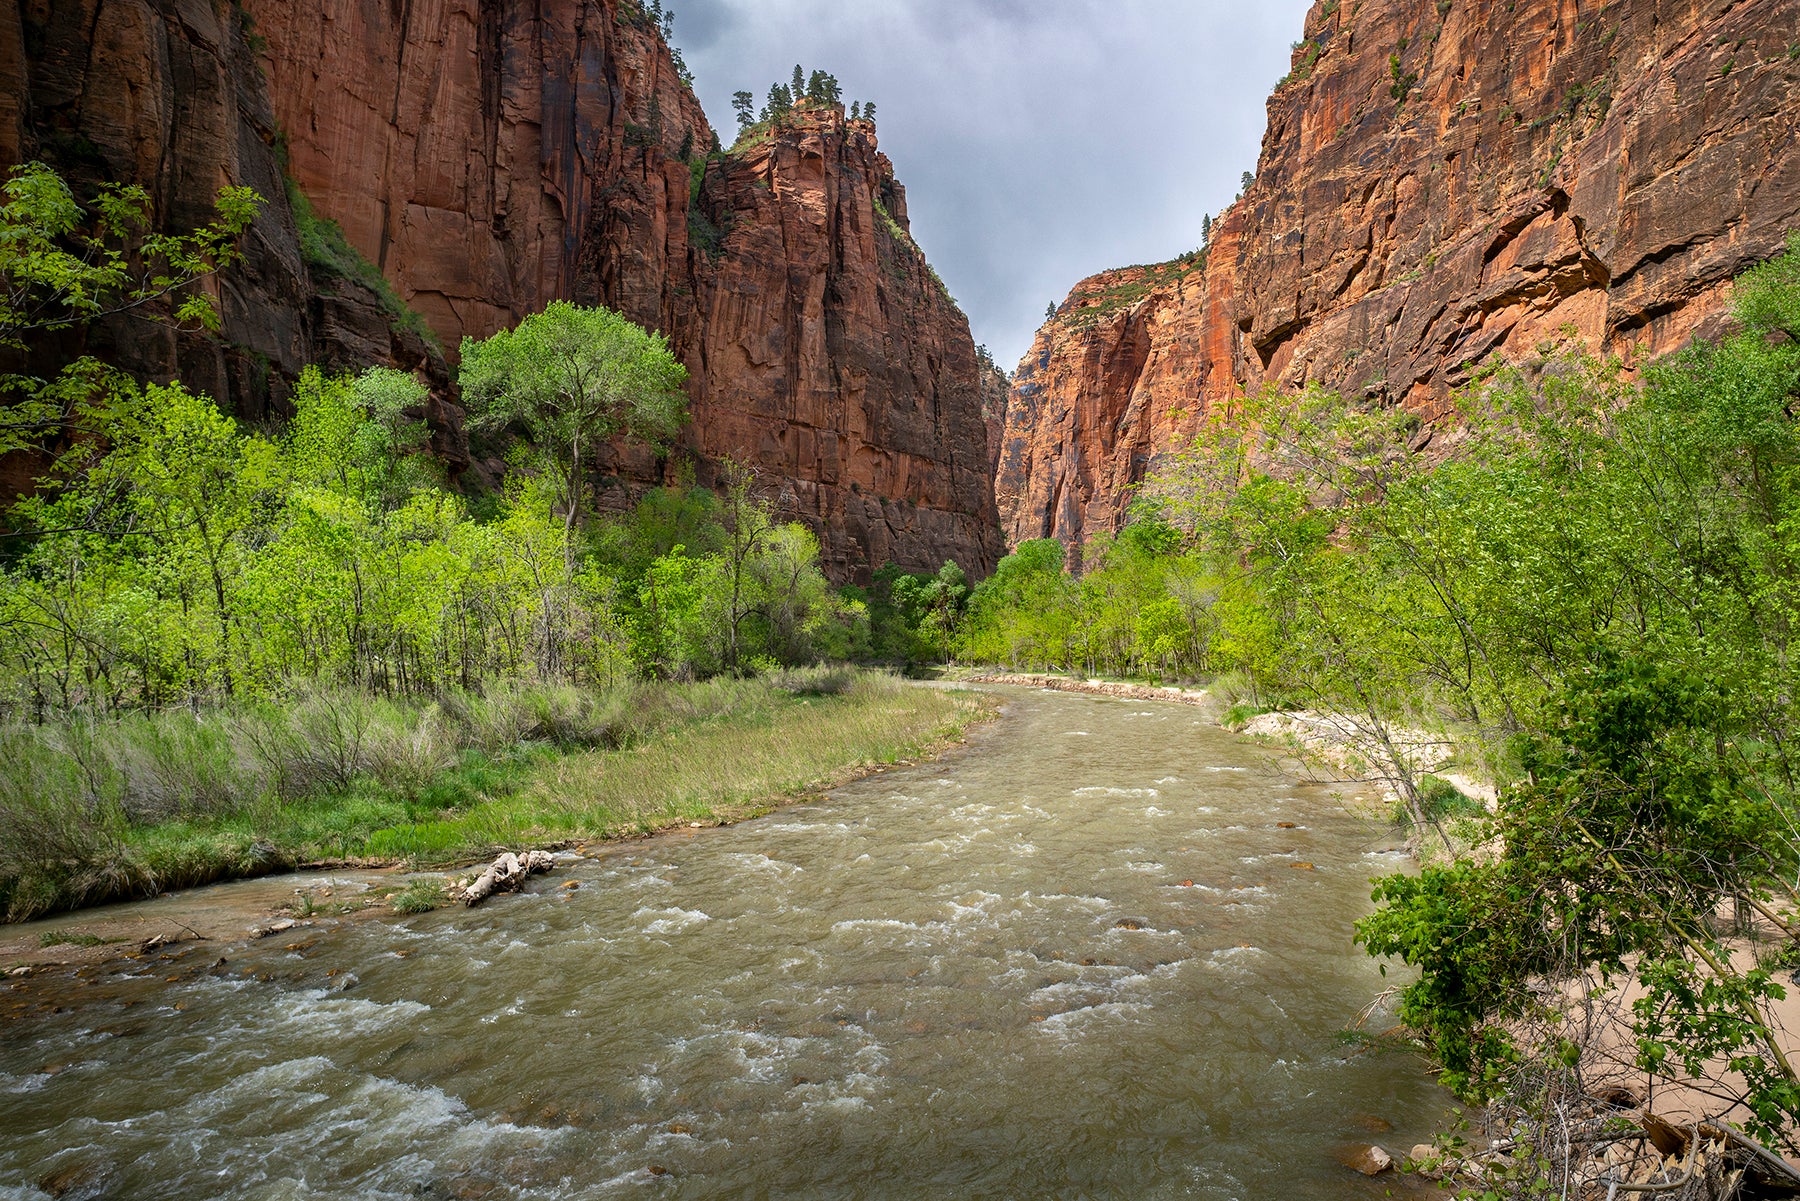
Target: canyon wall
x: 490, y: 156
x: 1441, y: 184
x: 166, y: 94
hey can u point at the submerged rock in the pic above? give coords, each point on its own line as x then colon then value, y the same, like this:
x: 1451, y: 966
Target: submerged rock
x: 83, y: 1181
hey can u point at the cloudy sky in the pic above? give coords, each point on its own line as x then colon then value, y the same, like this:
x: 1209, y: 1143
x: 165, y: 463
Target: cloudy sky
x: 1040, y: 141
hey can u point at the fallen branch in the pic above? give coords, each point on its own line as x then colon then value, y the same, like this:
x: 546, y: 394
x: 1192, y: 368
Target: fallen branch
x: 508, y: 873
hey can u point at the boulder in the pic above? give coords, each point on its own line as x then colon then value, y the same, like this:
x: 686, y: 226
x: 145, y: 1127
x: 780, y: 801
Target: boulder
x: 1370, y: 1160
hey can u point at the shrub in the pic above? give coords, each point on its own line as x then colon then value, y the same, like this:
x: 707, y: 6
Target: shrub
x: 178, y: 765
x: 407, y: 753
x: 335, y: 731
x: 1443, y: 800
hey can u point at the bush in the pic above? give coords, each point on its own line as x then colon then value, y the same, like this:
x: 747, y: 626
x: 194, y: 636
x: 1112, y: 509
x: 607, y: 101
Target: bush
x: 181, y: 766
x: 408, y: 752
x: 1239, y: 715
x: 335, y: 732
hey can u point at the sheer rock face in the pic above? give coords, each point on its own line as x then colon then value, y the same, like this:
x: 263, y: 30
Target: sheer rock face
x: 490, y: 156
x: 496, y: 156
x: 166, y: 94
x: 827, y: 355
x: 996, y: 391
x: 1559, y: 169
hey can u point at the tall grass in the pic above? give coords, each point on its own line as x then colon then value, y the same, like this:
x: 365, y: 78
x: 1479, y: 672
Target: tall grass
x: 92, y: 810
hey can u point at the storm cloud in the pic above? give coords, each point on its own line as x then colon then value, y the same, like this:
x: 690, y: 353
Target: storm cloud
x: 1040, y: 140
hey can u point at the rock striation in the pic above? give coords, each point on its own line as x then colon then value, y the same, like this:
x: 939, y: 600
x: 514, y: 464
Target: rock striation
x: 490, y: 156
x: 1441, y: 185
x: 826, y: 353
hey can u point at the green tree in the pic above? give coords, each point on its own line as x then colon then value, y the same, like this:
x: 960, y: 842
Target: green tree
x: 1637, y: 822
x: 573, y: 378
x: 780, y: 104
x: 743, y: 104
x: 1026, y: 613
x: 749, y: 525
x: 823, y: 88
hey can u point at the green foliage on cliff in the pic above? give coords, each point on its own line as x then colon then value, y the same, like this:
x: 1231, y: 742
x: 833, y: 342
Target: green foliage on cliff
x: 1120, y: 295
x: 329, y: 255
x: 820, y: 89
x: 63, y: 265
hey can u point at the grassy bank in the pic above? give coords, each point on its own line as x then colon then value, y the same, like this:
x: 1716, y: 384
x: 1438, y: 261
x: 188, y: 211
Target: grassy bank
x: 99, y: 810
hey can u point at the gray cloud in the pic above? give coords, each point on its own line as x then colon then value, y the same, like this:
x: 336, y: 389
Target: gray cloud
x: 1040, y: 140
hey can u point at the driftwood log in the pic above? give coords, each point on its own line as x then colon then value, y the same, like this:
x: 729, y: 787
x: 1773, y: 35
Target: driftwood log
x: 508, y: 873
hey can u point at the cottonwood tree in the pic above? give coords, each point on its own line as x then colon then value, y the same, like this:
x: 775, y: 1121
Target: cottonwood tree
x: 749, y: 525
x: 572, y: 379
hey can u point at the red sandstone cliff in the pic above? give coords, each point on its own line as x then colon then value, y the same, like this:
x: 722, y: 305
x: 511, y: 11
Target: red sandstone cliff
x: 493, y: 157
x: 487, y: 155
x: 1556, y: 168
x: 825, y: 352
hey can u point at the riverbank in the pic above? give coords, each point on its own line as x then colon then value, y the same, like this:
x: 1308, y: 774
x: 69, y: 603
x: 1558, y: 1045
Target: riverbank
x: 1123, y: 691
x: 715, y: 758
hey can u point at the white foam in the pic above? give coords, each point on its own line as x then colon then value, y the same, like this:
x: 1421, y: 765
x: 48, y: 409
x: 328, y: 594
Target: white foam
x: 1101, y: 790
x: 871, y: 923
x: 1073, y: 899
x: 22, y: 1084
x: 672, y: 921
x: 764, y: 865
x: 1061, y: 1022
x: 314, y: 1014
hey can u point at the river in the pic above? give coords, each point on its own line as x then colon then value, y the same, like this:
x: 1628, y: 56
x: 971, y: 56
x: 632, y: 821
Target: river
x: 1079, y: 958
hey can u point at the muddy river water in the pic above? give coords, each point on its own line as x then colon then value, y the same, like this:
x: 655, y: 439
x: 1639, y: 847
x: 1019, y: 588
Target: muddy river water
x: 1079, y: 958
